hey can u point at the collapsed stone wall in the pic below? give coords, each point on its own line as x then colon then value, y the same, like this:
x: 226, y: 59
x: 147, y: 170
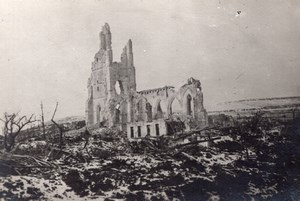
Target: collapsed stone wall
x: 189, y: 97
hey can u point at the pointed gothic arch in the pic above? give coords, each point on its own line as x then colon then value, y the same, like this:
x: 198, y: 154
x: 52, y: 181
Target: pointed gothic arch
x: 158, y: 110
x: 174, y: 107
x: 141, y: 109
x: 188, y: 103
x: 149, y: 111
x: 119, y: 87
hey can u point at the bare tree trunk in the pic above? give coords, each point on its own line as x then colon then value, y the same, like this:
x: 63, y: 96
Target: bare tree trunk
x: 43, y: 121
x: 5, y: 139
x: 59, y: 128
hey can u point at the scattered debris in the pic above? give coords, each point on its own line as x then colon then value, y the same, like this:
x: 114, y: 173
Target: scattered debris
x: 181, y: 166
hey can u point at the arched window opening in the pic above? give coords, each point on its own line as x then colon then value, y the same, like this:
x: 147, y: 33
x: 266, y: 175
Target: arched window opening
x: 119, y: 87
x: 140, y: 112
x: 175, y: 107
x: 159, y: 112
x: 157, y: 129
x: 148, y: 130
x: 139, y: 131
x: 131, y: 132
x: 149, y: 111
x: 189, y: 105
x: 98, y: 114
x: 118, y: 112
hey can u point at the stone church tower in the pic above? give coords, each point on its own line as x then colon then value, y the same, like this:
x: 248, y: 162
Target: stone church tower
x: 110, y: 84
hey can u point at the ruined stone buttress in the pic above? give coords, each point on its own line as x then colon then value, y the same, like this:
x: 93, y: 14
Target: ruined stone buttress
x: 114, y: 102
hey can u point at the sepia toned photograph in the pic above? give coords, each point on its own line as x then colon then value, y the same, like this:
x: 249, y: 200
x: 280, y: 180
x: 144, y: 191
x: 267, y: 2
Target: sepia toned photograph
x: 112, y: 100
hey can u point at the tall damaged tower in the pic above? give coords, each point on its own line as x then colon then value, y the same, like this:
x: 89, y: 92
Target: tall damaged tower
x: 110, y: 84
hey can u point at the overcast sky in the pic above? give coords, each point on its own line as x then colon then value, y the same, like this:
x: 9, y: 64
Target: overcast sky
x: 47, y: 48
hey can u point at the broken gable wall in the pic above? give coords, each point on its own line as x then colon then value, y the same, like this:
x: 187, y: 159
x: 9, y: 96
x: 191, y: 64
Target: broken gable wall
x: 104, y: 103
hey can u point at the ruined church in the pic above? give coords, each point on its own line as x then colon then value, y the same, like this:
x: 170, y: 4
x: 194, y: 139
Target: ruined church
x: 113, y: 100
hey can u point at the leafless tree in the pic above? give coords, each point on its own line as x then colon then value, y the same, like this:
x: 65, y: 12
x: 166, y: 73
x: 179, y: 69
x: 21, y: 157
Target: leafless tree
x: 13, y: 124
x: 60, y: 128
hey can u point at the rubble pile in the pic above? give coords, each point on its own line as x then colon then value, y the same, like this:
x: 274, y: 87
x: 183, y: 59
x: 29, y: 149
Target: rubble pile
x: 103, y: 164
